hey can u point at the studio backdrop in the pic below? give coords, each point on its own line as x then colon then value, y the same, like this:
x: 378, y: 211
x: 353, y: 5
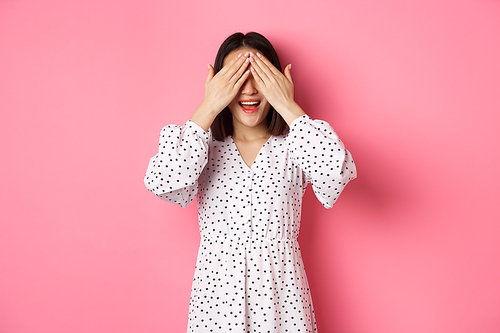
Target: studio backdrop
x: 411, y: 87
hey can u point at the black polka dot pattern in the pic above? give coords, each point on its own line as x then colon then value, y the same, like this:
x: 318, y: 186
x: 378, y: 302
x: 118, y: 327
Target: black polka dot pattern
x: 249, y: 275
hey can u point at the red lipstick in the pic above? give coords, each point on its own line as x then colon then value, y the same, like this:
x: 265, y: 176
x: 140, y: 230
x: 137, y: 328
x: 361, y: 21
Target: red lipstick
x: 249, y: 105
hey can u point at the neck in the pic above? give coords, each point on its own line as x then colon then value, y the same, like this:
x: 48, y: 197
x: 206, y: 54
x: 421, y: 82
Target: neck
x: 245, y: 133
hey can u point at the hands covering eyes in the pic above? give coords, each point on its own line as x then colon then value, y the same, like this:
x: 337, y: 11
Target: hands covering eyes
x: 276, y: 86
x: 223, y: 87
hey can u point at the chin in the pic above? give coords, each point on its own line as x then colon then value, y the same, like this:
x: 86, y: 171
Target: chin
x: 253, y: 118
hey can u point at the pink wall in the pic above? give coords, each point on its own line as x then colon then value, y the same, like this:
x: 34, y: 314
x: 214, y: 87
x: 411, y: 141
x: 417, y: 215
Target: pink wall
x: 412, y: 87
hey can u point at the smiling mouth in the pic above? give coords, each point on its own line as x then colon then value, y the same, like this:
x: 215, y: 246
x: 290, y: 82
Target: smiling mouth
x: 249, y: 106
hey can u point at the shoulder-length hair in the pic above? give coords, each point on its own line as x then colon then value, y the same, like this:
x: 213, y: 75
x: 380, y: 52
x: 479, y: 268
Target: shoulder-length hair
x: 222, y: 126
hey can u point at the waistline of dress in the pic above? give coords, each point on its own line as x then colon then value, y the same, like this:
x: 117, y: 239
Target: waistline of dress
x: 247, y: 239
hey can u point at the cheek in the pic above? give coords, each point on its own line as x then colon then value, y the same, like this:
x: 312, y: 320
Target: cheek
x: 231, y: 108
x: 267, y: 108
x: 233, y: 104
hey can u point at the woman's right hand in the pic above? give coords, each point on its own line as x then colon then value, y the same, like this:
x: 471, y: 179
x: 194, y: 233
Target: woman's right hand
x: 221, y: 89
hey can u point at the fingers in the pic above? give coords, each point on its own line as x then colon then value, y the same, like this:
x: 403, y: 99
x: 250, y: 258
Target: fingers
x: 242, y: 79
x: 221, y: 88
x: 210, y: 74
x: 267, y: 74
x: 232, y: 67
x: 257, y: 77
x: 288, y: 73
x: 240, y: 70
x: 266, y: 65
x: 258, y: 68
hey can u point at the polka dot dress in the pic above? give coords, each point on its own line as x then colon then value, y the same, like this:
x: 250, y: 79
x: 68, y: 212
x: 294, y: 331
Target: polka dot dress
x: 249, y: 276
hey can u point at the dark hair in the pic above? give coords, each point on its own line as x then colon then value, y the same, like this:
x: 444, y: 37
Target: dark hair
x: 223, y: 123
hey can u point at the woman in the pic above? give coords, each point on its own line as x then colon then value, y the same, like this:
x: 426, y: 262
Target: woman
x: 247, y: 154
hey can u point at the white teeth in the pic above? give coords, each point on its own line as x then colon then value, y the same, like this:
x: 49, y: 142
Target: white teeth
x: 250, y: 103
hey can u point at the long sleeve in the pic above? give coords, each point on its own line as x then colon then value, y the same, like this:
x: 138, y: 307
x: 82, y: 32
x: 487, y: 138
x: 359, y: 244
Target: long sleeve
x: 173, y: 172
x: 318, y: 151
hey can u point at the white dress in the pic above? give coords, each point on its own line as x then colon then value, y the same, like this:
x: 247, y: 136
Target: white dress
x: 249, y: 274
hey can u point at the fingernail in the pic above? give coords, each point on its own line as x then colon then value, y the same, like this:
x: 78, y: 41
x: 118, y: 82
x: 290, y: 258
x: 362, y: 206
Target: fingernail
x: 239, y: 55
x: 259, y: 55
x: 251, y: 54
x: 290, y: 67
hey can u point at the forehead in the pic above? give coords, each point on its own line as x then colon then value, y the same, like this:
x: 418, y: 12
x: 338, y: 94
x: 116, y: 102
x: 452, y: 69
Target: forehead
x: 234, y: 53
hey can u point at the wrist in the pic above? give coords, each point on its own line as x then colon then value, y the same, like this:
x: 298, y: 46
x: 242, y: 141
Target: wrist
x: 204, y: 116
x: 209, y: 109
x: 290, y: 112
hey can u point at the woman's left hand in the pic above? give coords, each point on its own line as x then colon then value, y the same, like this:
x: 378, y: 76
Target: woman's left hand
x: 276, y: 87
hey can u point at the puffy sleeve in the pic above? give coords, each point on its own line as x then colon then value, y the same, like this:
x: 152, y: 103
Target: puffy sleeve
x: 326, y: 164
x: 173, y: 172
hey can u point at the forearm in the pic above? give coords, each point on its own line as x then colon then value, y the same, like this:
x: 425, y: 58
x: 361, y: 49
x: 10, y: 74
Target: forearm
x: 204, y: 116
x: 315, y: 147
x: 173, y: 172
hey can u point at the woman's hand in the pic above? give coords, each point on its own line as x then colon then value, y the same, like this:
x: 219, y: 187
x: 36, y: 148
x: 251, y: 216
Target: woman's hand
x: 221, y: 89
x: 276, y: 87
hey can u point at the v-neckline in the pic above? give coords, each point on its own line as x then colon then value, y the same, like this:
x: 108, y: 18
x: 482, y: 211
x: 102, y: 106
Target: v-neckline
x: 256, y: 157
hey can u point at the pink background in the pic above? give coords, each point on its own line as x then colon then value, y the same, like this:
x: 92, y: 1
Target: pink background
x: 412, y: 88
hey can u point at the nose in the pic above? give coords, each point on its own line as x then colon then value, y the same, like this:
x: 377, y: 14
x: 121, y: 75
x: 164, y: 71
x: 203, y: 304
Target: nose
x: 249, y: 87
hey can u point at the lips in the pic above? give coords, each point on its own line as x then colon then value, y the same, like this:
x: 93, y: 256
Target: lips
x: 250, y: 105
